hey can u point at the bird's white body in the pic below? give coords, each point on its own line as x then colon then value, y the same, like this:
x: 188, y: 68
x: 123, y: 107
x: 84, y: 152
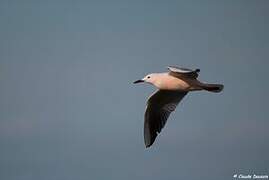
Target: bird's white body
x: 165, y: 81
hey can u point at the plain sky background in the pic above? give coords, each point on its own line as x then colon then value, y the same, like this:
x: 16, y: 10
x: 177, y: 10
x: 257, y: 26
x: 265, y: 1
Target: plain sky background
x: 69, y: 110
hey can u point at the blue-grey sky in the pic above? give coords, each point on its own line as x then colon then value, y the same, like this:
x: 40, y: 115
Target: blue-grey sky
x: 69, y: 110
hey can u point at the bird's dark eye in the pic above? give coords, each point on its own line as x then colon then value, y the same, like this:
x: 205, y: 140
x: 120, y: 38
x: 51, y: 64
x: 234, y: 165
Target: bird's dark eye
x: 148, y: 77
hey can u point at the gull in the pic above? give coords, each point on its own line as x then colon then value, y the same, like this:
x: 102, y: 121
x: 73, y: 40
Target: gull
x: 172, y: 87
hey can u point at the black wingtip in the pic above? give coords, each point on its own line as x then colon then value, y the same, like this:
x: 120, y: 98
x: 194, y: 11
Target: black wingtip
x: 148, y: 145
x: 197, y: 70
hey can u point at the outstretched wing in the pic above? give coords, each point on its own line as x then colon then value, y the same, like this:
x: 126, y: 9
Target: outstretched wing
x: 159, y: 107
x: 179, y: 72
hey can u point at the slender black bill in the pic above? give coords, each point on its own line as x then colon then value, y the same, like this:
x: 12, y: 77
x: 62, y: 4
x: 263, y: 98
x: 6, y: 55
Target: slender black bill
x: 138, y: 81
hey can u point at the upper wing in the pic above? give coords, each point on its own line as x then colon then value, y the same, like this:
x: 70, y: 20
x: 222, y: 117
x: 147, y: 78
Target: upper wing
x: 159, y: 107
x: 177, y: 71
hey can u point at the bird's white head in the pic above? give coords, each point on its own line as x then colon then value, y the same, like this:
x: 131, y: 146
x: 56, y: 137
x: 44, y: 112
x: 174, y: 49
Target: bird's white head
x: 150, y: 78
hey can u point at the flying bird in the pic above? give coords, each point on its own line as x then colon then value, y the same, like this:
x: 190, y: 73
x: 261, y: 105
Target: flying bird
x: 172, y: 87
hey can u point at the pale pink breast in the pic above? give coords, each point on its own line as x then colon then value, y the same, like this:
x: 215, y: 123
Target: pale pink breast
x: 172, y: 83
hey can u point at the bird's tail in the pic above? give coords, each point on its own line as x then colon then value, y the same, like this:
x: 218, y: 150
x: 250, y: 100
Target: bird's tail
x: 213, y: 87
